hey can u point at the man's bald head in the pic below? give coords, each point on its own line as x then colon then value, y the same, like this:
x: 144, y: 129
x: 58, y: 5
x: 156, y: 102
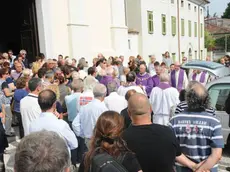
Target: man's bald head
x: 138, y: 104
x: 129, y: 94
x: 46, y: 99
x: 197, y: 97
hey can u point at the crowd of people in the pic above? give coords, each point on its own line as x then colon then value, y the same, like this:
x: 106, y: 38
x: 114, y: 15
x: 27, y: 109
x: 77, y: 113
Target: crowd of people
x: 150, y: 117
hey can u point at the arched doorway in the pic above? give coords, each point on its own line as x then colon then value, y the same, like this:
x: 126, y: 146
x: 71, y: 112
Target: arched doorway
x: 19, y: 27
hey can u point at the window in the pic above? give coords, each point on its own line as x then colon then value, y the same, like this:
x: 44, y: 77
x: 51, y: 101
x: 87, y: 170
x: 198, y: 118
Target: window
x: 195, y: 29
x: 182, y: 3
x: 195, y: 9
x: 201, y: 11
x: 129, y: 44
x: 173, y: 25
x: 172, y: 1
x: 174, y: 57
x: 196, y: 55
x: 182, y: 54
x: 189, y: 6
x: 189, y: 28
x: 163, y: 24
x: 150, y: 22
x: 201, y: 54
x: 201, y: 30
x: 219, y: 94
x: 182, y: 27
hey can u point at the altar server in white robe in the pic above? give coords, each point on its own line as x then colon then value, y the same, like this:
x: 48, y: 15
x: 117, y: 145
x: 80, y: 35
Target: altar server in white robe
x: 162, y: 98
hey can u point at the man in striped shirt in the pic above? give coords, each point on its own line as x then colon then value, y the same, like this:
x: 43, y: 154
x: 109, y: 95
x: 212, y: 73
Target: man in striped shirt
x: 182, y: 106
x: 199, y: 134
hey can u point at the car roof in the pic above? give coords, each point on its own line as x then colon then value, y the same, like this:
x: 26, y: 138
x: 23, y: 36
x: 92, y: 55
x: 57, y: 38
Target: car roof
x: 223, y: 80
x: 214, y: 68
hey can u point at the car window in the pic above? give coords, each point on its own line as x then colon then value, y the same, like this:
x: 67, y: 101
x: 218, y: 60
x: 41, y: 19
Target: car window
x: 218, y: 94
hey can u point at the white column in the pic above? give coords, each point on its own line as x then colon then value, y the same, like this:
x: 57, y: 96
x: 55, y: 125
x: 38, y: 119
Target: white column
x: 78, y: 28
x: 44, y: 26
x: 52, y: 19
x: 119, y: 30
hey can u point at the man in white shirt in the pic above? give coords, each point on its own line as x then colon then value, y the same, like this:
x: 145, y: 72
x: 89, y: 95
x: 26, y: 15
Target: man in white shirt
x: 29, y: 107
x: 50, y: 122
x: 86, y: 119
x: 162, y: 98
x: 114, y: 101
x: 178, y: 78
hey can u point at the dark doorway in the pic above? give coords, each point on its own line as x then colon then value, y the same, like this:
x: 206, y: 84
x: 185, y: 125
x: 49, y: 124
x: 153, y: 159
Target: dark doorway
x: 19, y: 27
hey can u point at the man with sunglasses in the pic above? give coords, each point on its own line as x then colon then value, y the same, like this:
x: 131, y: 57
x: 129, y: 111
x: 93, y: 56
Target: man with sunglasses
x: 24, y: 59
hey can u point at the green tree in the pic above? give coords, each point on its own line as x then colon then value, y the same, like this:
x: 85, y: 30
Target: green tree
x: 227, y: 12
x: 209, y: 41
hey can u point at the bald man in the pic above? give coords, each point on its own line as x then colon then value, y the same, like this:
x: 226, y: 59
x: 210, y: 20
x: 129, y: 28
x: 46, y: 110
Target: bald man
x: 155, y: 145
x: 179, y: 79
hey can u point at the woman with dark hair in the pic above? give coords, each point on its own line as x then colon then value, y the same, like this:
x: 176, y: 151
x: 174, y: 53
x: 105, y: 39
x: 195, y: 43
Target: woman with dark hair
x: 19, y: 94
x: 107, y: 139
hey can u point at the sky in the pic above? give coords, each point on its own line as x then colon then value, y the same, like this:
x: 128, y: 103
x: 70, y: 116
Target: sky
x: 217, y: 6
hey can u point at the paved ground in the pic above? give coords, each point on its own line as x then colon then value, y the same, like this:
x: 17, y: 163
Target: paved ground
x: 9, y: 157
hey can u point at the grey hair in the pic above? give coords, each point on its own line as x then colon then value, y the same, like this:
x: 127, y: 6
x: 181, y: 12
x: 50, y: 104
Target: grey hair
x: 99, y: 91
x: 112, y: 87
x: 49, y: 74
x: 197, y: 98
x: 42, y: 151
x: 89, y: 83
x: 191, y: 84
x: 22, y: 51
x: 77, y: 85
x: 164, y: 77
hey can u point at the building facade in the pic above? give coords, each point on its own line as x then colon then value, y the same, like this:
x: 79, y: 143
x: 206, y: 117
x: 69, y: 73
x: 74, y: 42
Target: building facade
x: 83, y: 28
x: 176, y: 26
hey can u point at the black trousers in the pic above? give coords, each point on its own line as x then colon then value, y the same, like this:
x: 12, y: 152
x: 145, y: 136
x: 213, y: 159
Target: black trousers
x: 21, y: 130
x: 77, y: 154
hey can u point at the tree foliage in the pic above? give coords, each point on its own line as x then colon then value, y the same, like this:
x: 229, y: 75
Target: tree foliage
x: 209, y: 41
x: 227, y: 12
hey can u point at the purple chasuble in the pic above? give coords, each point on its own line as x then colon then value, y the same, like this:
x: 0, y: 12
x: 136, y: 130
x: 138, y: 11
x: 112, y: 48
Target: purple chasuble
x: 142, y: 79
x: 180, y: 79
x: 106, y: 79
x: 152, y: 82
x: 164, y: 85
x: 202, y: 77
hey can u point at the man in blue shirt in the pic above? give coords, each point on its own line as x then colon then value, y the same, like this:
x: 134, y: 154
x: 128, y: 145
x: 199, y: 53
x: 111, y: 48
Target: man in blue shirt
x: 73, y: 107
x: 198, y: 132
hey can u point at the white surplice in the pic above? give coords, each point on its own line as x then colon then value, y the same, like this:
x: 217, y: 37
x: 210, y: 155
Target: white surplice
x: 161, y: 101
x: 115, y: 102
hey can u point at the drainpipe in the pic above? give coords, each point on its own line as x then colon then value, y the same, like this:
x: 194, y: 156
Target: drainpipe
x: 178, y: 28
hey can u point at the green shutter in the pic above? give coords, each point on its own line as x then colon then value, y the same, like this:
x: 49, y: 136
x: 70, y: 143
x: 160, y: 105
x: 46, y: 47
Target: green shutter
x: 182, y: 27
x: 173, y: 25
x: 174, y: 57
x: 150, y: 22
x: 195, y: 29
x: 189, y: 28
x: 201, y: 30
x: 163, y: 24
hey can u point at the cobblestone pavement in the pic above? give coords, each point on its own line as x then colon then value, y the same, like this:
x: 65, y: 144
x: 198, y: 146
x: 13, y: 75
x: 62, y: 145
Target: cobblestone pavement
x: 9, y: 156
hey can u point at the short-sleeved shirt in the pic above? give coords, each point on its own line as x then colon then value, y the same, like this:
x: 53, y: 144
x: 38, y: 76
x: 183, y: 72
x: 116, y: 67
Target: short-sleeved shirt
x: 155, y: 146
x: 4, y: 100
x: 197, y: 133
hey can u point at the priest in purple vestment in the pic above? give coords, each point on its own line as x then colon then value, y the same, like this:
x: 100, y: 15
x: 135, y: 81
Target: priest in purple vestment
x: 178, y: 78
x: 153, y: 81
x: 142, y: 77
x: 200, y: 76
